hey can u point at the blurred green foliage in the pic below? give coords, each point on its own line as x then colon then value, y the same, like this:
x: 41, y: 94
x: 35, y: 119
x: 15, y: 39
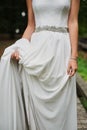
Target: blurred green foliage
x: 83, y: 18
x: 82, y: 66
x: 84, y: 102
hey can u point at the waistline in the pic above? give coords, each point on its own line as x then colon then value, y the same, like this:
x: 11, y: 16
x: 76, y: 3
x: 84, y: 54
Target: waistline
x: 52, y: 28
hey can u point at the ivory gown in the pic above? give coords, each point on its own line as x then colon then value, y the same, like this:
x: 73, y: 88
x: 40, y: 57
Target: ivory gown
x: 36, y: 93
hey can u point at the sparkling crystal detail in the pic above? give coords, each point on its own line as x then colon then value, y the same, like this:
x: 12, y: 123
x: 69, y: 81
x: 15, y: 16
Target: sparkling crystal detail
x: 52, y: 28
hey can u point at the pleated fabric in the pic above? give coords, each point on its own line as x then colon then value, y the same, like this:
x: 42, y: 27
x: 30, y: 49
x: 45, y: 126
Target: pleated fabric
x: 36, y: 93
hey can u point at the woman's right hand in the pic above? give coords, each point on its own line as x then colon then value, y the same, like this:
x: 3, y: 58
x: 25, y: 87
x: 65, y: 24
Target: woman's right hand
x: 15, y: 55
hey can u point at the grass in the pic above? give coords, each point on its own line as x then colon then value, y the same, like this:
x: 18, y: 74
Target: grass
x: 82, y: 66
x: 84, y: 102
x: 82, y: 70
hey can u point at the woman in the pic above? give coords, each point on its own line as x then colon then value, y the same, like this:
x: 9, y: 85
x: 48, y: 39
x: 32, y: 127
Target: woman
x: 38, y: 72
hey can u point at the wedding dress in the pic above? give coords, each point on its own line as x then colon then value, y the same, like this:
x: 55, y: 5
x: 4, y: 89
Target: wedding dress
x: 36, y: 93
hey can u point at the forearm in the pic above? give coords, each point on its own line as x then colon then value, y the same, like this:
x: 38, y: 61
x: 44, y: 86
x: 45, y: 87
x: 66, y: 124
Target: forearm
x: 73, y: 31
x: 31, y: 21
x: 28, y: 32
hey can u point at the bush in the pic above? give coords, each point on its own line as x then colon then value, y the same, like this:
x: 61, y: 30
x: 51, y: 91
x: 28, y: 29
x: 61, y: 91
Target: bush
x: 83, y: 19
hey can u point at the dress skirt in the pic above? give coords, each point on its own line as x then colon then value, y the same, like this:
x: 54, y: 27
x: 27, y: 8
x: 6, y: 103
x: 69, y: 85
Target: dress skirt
x: 36, y: 93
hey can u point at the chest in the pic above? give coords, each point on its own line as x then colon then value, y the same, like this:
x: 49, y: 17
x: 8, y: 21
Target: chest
x: 51, y: 5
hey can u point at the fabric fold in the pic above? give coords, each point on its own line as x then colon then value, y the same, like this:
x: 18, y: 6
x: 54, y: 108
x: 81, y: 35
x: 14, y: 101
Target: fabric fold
x: 35, y: 89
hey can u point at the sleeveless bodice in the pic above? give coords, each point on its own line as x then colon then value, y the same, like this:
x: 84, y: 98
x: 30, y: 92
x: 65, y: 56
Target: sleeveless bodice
x: 51, y: 13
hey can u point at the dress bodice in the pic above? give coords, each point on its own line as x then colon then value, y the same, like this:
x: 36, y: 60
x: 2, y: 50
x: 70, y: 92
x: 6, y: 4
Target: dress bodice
x: 51, y: 13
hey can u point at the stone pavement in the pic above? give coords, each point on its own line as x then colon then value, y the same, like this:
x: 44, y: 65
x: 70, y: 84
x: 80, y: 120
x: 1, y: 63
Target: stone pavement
x: 81, y: 116
x: 81, y: 86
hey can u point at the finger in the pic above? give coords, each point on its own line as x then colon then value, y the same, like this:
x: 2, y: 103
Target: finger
x: 68, y: 70
x: 72, y: 73
x: 17, y: 55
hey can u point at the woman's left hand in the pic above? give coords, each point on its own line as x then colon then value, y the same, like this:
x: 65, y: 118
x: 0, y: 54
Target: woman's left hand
x: 72, y: 67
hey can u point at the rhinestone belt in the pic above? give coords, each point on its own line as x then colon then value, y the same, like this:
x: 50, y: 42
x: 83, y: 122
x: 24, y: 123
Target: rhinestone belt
x: 52, y: 28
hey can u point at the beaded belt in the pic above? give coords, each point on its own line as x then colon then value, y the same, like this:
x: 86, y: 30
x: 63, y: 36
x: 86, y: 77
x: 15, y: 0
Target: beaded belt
x: 52, y: 28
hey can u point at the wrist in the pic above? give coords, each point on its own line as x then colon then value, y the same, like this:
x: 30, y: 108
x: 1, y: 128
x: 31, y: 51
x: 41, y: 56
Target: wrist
x: 74, y: 55
x: 75, y: 59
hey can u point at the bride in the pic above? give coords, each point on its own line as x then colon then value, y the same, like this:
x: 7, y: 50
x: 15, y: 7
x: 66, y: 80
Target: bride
x: 38, y: 72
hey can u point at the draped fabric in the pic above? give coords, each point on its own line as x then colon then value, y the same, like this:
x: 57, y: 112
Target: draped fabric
x: 36, y: 93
